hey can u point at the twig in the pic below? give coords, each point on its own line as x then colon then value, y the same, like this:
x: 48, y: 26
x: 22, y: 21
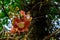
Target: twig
x: 36, y: 5
x: 38, y: 17
x: 26, y: 36
x: 51, y: 34
x: 29, y: 31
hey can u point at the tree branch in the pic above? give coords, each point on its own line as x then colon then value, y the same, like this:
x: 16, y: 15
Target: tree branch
x: 47, y: 37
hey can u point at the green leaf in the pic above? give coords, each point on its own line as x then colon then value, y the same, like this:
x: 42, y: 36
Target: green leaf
x: 6, y: 2
x: 1, y: 27
x: 53, y: 10
x: 2, y: 14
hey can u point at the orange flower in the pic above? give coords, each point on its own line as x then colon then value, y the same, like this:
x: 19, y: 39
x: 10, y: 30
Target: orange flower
x: 22, y: 24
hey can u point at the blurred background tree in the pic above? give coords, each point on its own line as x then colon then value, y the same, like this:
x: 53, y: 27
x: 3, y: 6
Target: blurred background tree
x: 42, y: 11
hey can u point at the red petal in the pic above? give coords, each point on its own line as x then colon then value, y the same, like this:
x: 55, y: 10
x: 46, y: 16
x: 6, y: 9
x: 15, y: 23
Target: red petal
x: 20, y: 29
x: 15, y: 25
x: 13, y: 30
x: 27, y: 24
x: 22, y: 12
x: 26, y: 29
x: 16, y: 20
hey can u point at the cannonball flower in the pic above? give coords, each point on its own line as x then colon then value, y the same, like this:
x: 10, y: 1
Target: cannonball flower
x: 22, y: 24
